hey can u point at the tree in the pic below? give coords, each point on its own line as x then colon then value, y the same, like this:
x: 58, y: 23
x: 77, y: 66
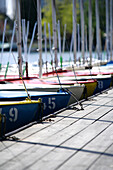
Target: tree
x: 64, y: 14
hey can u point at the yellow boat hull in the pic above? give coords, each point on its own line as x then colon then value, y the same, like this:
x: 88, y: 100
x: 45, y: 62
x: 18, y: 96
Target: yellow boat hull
x: 89, y: 89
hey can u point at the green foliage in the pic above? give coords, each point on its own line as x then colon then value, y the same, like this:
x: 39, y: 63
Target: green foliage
x: 65, y: 15
x: 64, y: 11
x: 47, y: 15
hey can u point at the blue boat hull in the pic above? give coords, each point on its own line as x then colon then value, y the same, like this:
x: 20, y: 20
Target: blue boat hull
x: 103, y: 84
x: 53, y: 101
x: 19, y: 115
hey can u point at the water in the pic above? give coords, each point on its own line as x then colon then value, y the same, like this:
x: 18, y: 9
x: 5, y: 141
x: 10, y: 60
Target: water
x: 33, y: 58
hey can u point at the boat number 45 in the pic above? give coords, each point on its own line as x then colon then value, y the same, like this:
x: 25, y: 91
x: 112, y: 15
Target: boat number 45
x: 51, y: 103
x: 13, y: 114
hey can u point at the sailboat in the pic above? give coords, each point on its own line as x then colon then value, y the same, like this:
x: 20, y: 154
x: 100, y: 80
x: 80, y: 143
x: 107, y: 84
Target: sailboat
x: 104, y: 81
x: 16, y: 114
x: 18, y: 109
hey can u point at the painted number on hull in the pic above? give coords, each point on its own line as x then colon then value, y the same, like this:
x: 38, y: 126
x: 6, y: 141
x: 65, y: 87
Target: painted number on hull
x: 100, y: 84
x: 51, y: 103
x: 13, y: 113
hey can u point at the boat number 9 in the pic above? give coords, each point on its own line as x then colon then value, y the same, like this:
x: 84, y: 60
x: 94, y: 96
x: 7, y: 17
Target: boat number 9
x: 100, y: 84
x: 13, y: 113
x: 51, y: 103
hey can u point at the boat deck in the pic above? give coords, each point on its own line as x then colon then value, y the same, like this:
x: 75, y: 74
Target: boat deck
x: 73, y: 139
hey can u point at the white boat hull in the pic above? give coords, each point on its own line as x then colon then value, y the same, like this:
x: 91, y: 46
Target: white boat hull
x: 76, y: 89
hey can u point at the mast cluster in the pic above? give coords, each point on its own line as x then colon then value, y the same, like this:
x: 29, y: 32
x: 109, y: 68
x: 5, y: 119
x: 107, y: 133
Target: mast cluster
x: 56, y: 27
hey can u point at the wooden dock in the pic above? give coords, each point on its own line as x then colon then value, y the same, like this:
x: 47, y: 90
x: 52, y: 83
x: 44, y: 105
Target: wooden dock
x: 73, y: 140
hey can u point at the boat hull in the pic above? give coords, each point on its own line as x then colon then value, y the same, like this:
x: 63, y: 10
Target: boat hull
x: 52, y: 101
x: 76, y: 89
x: 104, y: 81
x: 18, y: 114
x: 14, y: 115
x: 89, y: 89
x: 103, y: 84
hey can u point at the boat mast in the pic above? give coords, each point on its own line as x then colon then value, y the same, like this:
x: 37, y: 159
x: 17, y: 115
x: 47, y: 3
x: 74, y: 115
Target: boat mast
x: 54, y: 31
x: 18, y: 17
x: 97, y: 30
x: 50, y: 46
x: 3, y: 38
x: 64, y: 38
x: 74, y: 29
x: 25, y: 38
x: 82, y: 28
x: 78, y: 37
x: 111, y: 34
x: 90, y: 31
x: 45, y: 38
x: 59, y: 41
x: 107, y: 30
x: 39, y: 36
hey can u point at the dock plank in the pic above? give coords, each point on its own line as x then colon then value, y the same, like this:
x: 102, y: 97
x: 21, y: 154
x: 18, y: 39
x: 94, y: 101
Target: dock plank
x: 88, y: 156
x: 74, y: 143
x: 104, y: 162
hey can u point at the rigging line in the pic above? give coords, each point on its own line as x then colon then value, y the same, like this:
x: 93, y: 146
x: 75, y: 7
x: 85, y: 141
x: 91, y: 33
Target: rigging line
x: 25, y: 88
x: 22, y: 78
x: 18, y: 69
x: 31, y: 42
x: 74, y: 96
x: 68, y: 91
x: 91, y: 74
x: 74, y: 73
x: 64, y: 38
x: 8, y: 41
x: 71, y: 45
x: 45, y: 39
x: 12, y: 39
x: 50, y: 46
x: 99, y: 69
x: 59, y: 42
x: 10, y: 48
x: 25, y: 32
x: 21, y: 75
x: 58, y: 78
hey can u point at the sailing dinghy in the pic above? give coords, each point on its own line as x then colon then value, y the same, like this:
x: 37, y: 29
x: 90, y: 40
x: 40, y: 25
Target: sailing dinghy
x: 16, y: 110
